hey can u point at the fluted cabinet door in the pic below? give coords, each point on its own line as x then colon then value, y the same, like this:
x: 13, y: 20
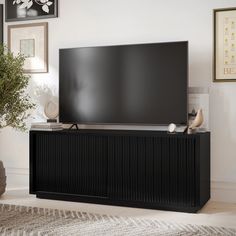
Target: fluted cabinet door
x: 157, y: 170
x: 75, y: 164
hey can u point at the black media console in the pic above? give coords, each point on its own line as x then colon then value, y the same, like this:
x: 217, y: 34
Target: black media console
x: 147, y: 169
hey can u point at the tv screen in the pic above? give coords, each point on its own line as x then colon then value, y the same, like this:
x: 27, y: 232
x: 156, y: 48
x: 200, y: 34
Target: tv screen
x: 143, y: 84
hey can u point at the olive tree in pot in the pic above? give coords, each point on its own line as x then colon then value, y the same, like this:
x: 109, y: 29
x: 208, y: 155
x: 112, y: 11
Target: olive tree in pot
x: 14, y: 101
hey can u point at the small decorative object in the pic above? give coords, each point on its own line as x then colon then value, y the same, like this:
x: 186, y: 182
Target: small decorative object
x: 31, y: 41
x: 51, y: 110
x: 1, y: 23
x: 225, y: 45
x: 197, y: 122
x: 198, y: 97
x: 47, y: 126
x: 19, y: 10
x: 172, y: 128
x: 2, y: 179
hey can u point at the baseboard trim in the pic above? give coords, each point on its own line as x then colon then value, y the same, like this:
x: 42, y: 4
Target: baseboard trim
x: 17, y: 177
x: 17, y: 171
x: 23, y: 188
x: 223, y: 191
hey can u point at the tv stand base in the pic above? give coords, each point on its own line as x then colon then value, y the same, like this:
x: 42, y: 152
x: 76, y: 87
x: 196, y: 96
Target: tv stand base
x: 146, y: 169
x: 107, y: 201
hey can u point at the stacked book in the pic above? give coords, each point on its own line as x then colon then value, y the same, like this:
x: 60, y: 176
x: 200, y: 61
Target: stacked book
x: 46, y: 126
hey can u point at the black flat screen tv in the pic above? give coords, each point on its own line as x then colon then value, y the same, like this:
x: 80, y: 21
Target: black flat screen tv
x: 144, y: 84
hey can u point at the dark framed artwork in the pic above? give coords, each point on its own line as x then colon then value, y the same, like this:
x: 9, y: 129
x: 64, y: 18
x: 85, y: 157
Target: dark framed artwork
x: 1, y: 23
x: 20, y: 10
x: 224, y: 61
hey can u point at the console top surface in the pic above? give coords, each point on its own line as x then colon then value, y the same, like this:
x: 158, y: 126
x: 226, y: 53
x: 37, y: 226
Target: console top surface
x: 118, y: 132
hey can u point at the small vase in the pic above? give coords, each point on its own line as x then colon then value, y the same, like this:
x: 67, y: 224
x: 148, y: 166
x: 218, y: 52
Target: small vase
x: 2, y: 179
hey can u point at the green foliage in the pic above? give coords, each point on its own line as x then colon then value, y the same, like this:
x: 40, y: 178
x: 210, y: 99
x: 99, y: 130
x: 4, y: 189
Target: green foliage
x: 14, y: 102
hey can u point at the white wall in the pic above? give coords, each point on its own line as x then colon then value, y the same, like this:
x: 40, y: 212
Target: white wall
x: 103, y: 22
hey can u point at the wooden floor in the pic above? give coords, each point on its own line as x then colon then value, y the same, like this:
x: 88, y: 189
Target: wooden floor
x: 214, y: 213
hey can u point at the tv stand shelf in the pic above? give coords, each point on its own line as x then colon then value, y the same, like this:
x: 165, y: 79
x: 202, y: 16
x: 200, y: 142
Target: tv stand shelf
x: 147, y: 169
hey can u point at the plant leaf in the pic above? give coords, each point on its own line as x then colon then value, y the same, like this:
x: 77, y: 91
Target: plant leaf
x: 30, y: 5
x: 49, y: 3
x: 15, y: 103
x: 45, y: 8
x: 25, y: 4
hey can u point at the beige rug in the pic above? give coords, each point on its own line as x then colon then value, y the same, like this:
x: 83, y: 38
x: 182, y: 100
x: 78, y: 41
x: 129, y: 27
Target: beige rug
x: 20, y: 220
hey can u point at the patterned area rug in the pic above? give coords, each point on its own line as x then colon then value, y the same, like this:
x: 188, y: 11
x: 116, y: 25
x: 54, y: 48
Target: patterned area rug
x: 20, y: 220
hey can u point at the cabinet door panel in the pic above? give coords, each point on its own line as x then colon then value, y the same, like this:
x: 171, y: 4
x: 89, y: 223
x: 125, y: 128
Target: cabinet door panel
x: 157, y: 170
x: 127, y: 168
x: 75, y: 164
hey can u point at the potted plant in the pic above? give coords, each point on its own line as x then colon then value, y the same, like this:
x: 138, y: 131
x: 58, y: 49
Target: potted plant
x: 14, y: 101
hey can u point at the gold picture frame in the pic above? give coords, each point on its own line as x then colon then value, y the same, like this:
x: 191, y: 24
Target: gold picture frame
x: 224, y: 58
x: 30, y: 40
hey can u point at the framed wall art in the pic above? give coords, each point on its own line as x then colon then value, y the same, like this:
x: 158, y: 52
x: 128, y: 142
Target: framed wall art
x: 224, y: 45
x: 19, y: 10
x: 30, y: 40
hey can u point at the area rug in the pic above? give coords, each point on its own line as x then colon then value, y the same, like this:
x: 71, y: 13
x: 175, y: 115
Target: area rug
x: 22, y: 221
